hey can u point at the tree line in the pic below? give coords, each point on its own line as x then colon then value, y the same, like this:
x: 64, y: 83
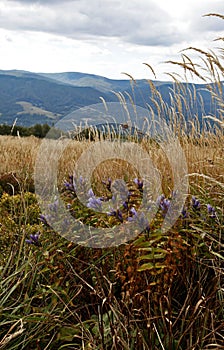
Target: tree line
x: 38, y: 130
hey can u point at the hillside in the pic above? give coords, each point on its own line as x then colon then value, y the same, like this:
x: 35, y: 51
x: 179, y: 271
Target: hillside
x: 32, y: 98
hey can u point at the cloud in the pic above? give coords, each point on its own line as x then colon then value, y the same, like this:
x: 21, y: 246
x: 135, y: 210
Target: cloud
x: 40, y: 1
x: 198, y: 22
x: 208, y: 23
x: 104, y: 36
x: 141, y: 23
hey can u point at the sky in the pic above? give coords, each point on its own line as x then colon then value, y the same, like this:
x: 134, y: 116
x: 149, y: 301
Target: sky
x: 106, y: 37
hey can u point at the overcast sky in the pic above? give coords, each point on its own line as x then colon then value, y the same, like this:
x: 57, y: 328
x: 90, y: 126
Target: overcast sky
x: 104, y: 37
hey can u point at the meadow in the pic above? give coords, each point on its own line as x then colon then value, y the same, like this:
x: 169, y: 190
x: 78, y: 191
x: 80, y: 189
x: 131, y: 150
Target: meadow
x: 157, y: 291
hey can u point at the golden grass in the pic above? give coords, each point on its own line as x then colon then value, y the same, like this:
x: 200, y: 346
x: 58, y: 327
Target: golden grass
x: 18, y: 155
x: 187, y: 291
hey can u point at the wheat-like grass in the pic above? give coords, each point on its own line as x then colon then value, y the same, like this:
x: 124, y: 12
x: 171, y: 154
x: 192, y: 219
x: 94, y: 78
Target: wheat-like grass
x: 57, y: 294
x: 17, y: 156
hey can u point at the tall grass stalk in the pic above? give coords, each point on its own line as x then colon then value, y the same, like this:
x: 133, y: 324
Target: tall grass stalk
x: 158, y: 291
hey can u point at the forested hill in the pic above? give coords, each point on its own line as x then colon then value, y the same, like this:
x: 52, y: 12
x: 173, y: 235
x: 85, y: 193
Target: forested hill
x: 31, y: 98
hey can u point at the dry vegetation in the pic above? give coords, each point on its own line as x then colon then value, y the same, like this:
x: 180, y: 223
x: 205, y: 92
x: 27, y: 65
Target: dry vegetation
x: 204, y: 157
x: 80, y: 296
x: 156, y: 292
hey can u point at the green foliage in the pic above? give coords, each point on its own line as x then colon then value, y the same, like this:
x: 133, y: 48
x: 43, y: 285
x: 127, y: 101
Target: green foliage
x: 158, y: 289
x: 38, y: 130
x: 22, y: 208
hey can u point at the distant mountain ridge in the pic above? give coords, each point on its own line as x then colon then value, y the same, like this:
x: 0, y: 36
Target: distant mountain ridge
x: 96, y: 81
x: 32, y: 98
x: 23, y: 95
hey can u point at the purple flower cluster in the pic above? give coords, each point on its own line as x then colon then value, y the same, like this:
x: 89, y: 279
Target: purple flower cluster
x: 34, y: 239
x: 139, y: 183
x: 93, y: 201
x: 52, y: 213
x: 44, y: 219
x: 122, y: 207
x: 140, y: 219
x: 120, y: 191
x: 70, y: 184
x: 195, y: 203
x: 163, y: 203
x: 184, y: 213
x: 211, y: 211
x: 117, y: 213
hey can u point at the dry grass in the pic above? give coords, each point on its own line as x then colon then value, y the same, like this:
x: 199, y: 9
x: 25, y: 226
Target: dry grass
x: 56, y: 294
x: 18, y: 156
x: 28, y: 108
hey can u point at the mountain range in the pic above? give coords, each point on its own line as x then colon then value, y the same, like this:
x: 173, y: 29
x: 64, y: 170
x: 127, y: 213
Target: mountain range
x: 30, y: 98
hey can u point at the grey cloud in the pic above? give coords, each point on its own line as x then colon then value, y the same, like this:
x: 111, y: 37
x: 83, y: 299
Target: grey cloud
x: 139, y: 22
x: 44, y: 2
x: 212, y: 24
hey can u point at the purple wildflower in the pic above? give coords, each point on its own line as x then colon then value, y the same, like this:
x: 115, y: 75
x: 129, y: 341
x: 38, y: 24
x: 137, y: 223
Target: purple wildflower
x: 184, y: 213
x: 165, y: 204
x: 117, y: 214
x: 34, y: 239
x: 140, y: 218
x: 139, y: 183
x: 75, y: 183
x: 120, y: 190
x: 108, y: 184
x: 160, y: 199
x: 91, y: 193
x: 125, y: 205
x: 133, y: 212
x: 82, y: 181
x: 112, y: 213
x: 43, y: 219
x: 211, y: 211
x: 195, y: 203
x: 70, y: 185
x: 95, y: 203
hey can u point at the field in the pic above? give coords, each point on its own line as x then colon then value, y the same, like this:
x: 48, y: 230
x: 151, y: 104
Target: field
x: 158, y: 290
x: 28, y: 108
